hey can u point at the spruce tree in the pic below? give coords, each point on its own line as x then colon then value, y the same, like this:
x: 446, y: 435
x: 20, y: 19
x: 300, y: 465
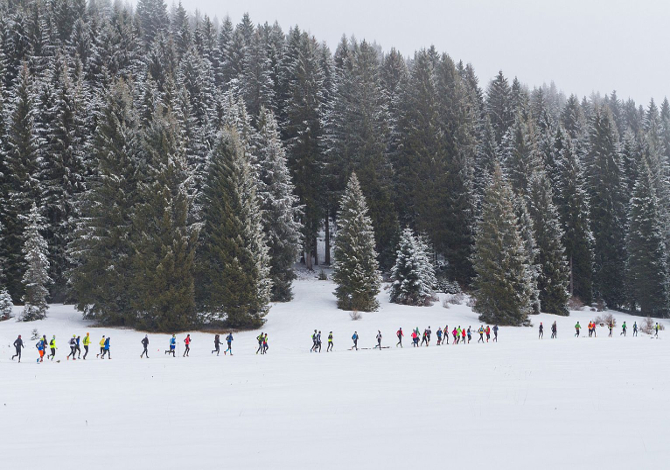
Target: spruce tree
x: 553, y: 276
x: 36, y: 276
x: 647, y: 268
x: 162, y: 292
x: 607, y: 209
x: 355, y: 272
x: 527, y: 234
x: 573, y: 207
x: 22, y: 183
x: 413, y: 275
x: 6, y: 304
x: 233, y: 261
x: 279, y: 205
x: 503, y: 284
x: 499, y: 106
x: 102, y: 251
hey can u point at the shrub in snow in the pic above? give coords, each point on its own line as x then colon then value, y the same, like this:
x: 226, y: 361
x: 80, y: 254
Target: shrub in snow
x: 323, y: 276
x: 606, y: 319
x: 6, y: 304
x: 355, y: 315
x: 575, y: 303
x: 413, y: 275
x: 456, y: 299
x: 647, y: 326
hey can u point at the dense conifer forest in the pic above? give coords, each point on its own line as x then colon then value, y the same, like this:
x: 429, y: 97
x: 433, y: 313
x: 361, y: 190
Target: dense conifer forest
x: 163, y: 169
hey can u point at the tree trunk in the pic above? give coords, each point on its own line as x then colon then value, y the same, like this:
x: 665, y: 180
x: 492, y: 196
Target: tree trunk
x: 572, y: 279
x: 327, y: 256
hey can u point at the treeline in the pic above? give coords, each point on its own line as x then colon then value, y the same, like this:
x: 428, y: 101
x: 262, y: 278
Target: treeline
x: 180, y: 165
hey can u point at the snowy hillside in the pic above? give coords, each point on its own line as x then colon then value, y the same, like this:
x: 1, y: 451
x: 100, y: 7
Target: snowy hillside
x: 519, y: 404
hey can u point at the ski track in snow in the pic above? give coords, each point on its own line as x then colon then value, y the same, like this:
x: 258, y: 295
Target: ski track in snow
x: 519, y: 404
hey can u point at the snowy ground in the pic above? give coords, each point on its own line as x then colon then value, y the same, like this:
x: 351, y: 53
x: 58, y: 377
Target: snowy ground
x: 519, y: 404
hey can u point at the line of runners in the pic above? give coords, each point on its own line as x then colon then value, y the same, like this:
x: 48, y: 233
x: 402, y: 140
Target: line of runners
x: 459, y: 335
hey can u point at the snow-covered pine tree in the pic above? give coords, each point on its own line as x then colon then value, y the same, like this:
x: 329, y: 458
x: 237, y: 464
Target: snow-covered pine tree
x: 279, y: 205
x: 499, y: 106
x: 233, y: 263
x: 647, y: 266
x: 101, y: 250
x: 355, y: 271
x: 413, y: 275
x: 22, y: 183
x: 6, y: 304
x: 36, y: 276
x: 504, y: 283
x: 520, y: 155
x: 573, y: 207
x: 607, y: 208
x: 527, y: 234
x: 162, y: 291
x: 554, y: 274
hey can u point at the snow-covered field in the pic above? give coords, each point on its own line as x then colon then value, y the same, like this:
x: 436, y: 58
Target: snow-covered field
x: 519, y: 404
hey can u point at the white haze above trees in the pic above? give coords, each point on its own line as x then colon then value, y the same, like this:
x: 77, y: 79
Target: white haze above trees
x: 181, y: 166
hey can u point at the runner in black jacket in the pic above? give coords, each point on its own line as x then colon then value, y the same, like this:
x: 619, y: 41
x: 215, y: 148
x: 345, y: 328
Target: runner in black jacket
x: 18, y: 344
x: 145, y: 343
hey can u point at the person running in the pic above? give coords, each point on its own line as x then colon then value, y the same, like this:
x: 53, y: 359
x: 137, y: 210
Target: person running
x: 577, y: 328
x: 379, y: 340
x: 481, y: 333
x: 217, y: 345
x: 265, y: 344
x: 87, y: 342
x: 229, y: 341
x: 173, y: 346
x: 590, y: 328
x: 41, y: 346
x: 107, y: 352
x: 187, y: 342
x: 18, y: 344
x: 656, y: 328
x: 313, y: 342
x: 330, y: 342
x: 553, y: 330
x: 439, y: 336
x: 354, y: 338
x: 145, y: 345
x: 260, y: 338
x: 102, y: 346
x: 469, y: 334
x: 446, y: 335
x: 399, y: 334
x: 52, y: 346
x: 623, y: 329
x: 635, y: 329
x: 78, y: 347
x: 495, y: 333
x: 318, y: 341
x: 488, y: 333
x: 595, y: 335
x: 415, y: 339
x: 457, y: 335
x: 541, y: 331
x: 429, y: 332
x: 73, y: 348
x: 424, y: 338
x: 610, y: 325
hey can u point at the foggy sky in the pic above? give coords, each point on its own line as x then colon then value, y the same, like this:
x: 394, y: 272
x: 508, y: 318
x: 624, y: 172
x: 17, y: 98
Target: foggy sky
x: 583, y: 46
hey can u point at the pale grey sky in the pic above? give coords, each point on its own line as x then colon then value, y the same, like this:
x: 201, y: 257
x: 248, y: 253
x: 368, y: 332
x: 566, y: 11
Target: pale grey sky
x: 584, y: 46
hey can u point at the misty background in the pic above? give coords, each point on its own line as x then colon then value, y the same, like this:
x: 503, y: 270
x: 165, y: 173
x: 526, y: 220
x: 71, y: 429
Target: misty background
x: 583, y: 46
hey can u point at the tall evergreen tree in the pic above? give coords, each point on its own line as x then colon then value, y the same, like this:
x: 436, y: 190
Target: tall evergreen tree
x: 233, y: 262
x: 499, y: 106
x: 102, y: 250
x: 573, y: 206
x: 554, y: 275
x: 36, y: 276
x: 607, y: 209
x: 279, y: 205
x: 503, y: 285
x: 355, y: 273
x: 162, y: 291
x: 22, y: 182
x: 647, y: 268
